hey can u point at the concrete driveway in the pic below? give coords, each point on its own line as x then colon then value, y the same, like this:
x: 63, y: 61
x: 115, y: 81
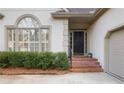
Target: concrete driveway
x: 70, y: 78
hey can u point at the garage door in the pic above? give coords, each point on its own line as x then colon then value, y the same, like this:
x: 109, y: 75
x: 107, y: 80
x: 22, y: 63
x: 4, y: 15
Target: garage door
x: 116, y: 53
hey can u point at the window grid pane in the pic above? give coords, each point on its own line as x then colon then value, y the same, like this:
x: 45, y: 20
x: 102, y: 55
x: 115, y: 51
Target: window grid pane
x: 28, y: 40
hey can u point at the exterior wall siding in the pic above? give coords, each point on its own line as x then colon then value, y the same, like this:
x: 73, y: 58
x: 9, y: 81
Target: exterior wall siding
x: 96, y: 34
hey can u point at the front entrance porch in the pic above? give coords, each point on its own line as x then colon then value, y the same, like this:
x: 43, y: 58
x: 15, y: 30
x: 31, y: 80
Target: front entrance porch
x: 79, y: 60
x: 78, y: 34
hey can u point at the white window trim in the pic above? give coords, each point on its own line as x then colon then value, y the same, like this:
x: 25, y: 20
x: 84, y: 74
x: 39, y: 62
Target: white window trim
x: 15, y: 27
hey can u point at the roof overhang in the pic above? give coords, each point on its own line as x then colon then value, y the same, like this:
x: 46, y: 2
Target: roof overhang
x: 79, y: 20
x: 61, y: 15
x: 1, y: 16
x: 99, y: 13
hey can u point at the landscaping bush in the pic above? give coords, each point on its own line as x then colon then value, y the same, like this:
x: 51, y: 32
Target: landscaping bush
x: 16, y: 59
x: 46, y: 60
x: 43, y: 60
x: 61, y: 61
x: 29, y: 61
x: 4, y: 62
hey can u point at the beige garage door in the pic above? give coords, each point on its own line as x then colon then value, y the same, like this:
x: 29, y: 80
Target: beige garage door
x: 116, y: 53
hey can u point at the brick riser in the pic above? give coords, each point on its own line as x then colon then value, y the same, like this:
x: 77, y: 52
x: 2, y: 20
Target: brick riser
x: 85, y: 64
x: 86, y: 70
x: 84, y: 59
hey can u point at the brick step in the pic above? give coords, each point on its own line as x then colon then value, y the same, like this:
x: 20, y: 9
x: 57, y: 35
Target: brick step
x: 84, y: 59
x: 79, y: 56
x: 85, y: 62
x: 86, y: 70
x: 86, y: 66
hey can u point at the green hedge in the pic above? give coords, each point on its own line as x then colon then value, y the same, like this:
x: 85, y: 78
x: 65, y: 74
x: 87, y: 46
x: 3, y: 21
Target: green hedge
x: 43, y: 60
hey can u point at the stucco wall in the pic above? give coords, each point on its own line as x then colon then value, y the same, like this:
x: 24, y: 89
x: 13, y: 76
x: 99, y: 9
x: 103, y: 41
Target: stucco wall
x: 44, y: 15
x: 96, y: 34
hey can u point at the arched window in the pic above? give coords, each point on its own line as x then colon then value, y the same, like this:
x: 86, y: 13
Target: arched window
x: 28, y: 35
x: 28, y: 22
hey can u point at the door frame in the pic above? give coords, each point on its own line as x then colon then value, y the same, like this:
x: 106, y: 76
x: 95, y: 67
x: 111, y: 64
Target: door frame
x: 72, y: 31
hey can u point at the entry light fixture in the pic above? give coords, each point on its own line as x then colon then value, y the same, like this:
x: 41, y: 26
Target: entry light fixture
x: 1, y: 16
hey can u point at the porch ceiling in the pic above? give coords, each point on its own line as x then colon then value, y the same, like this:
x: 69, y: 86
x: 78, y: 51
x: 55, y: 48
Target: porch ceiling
x: 79, y: 22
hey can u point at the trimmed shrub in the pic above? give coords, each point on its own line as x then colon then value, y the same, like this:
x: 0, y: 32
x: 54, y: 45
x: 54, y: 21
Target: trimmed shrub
x: 43, y: 60
x: 61, y: 61
x: 16, y: 59
x: 30, y: 60
x: 4, y: 62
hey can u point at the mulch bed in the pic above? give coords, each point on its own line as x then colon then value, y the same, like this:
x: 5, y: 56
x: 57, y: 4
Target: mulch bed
x: 24, y: 71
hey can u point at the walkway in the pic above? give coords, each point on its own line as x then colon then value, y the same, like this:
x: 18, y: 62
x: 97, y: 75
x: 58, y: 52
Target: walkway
x: 70, y: 78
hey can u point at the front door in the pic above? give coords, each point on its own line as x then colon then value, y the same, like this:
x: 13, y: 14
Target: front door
x: 78, y: 43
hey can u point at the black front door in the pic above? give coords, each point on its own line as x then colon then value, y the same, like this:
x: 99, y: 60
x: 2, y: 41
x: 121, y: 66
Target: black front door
x: 78, y: 43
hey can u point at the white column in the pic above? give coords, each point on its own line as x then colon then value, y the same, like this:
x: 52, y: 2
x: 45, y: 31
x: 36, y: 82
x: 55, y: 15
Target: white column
x: 65, y: 36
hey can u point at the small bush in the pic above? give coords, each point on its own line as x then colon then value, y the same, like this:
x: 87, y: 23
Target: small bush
x: 30, y: 58
x: 61, y: 61
x: 16, y: 59
x: 4, y: 62
x: 43, y: 60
